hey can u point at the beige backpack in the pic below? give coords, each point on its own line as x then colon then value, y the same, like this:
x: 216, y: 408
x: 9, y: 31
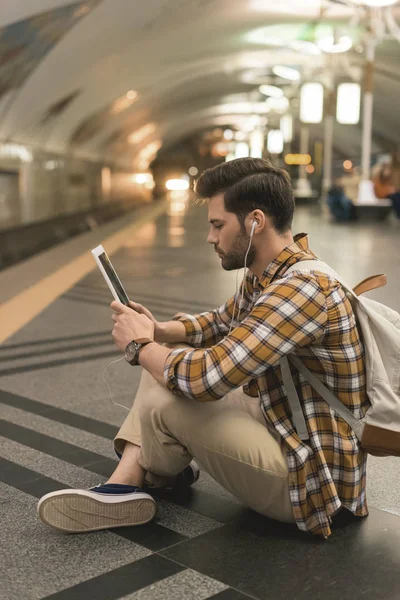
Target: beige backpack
x: 379, y: 326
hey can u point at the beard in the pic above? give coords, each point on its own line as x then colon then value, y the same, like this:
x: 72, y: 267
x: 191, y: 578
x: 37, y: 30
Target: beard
x: 234, y: 258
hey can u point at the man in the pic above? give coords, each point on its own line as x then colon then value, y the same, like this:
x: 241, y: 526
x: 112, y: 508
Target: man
x: 222, y: 400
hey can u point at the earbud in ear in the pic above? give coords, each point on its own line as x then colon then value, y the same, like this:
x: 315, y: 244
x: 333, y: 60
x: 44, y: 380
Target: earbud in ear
x: 254, y: 225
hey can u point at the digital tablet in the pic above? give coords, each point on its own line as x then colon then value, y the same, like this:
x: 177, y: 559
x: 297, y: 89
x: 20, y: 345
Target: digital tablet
x: 110, y: 275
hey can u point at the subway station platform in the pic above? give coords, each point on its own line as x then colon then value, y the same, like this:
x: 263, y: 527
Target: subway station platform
x: 58, y: 421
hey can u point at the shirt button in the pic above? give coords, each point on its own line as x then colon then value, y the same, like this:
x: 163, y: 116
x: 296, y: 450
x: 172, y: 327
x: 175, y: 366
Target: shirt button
x: 173, y: 380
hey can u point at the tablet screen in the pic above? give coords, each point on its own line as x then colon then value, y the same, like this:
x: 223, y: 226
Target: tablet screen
x: 109, y: 269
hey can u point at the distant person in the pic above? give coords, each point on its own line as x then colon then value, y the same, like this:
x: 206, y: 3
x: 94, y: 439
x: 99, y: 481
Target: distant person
x: 383, y: 180
x: 340, y: 206
x: 222, y: 401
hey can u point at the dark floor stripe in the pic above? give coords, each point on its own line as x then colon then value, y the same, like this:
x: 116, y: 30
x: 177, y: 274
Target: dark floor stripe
x: 214, y: 507
x: 74, y: 298
x: 67, y: 338
x: 123, y: 581
x: 208, y: 505
x: 58, y: 349
x: 163, y: 301
x: 60, y: 415
x: 230, y: 594
x: 96, y: 463
x: 58, y: 363
x: 152, y: 536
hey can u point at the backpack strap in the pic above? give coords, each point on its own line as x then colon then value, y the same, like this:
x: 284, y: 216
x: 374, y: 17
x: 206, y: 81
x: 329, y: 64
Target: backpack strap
x: 305, y: 266
x: 294, y: 402
x: 334, y: 402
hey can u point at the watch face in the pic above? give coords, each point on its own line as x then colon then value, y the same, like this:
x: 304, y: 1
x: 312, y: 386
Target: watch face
x: 131, y: 352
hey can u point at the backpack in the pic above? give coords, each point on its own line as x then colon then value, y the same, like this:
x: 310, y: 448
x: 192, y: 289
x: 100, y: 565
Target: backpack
x: 379, y: 326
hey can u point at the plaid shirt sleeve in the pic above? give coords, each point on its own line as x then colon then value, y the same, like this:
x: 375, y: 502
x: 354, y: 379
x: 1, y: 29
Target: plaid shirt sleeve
x: 291, y: 313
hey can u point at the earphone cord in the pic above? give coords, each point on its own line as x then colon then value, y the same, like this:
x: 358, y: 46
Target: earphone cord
x: 230, y: 327
x: 109, y: 389
x: 243, y: 282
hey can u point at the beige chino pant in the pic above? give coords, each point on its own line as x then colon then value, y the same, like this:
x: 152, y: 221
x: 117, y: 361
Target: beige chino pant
x: 228, y: 437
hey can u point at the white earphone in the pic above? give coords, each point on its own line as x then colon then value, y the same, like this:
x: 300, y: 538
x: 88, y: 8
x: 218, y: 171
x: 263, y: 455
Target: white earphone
x: 253, y: 226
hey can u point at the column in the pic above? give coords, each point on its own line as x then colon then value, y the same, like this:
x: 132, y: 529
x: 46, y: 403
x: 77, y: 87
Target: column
x: 329, y: 122
x: 367, y: 110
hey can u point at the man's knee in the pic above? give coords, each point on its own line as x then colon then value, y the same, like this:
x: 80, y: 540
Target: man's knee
x: 156, y: 400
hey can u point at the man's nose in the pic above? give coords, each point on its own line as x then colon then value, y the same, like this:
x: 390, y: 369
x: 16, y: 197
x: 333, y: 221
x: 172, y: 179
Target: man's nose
x: 211, y: 238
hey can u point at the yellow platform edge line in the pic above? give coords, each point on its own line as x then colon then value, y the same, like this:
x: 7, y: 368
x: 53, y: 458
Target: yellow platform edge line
x: 25, y: 306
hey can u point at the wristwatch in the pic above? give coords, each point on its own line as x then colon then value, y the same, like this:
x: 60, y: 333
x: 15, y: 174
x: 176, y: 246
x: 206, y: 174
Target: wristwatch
x: 132, y: 351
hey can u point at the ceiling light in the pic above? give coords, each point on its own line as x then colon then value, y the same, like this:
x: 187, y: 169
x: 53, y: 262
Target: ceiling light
x: 275, y: 141
x: 348, y: 103
x: 256, y: 144
x: 305, y: 47
x: 286, y: 72
x: 228, y: 134
x: 177, y: 184
x: 311, y: 103
x: 142, y: 178
x: 242, y: 150
x: 286, y: 126
x: 335, y: 46
x: 279, y: 105
x: 123, y: 102
x: 140, y: 134
x: 271, y: 90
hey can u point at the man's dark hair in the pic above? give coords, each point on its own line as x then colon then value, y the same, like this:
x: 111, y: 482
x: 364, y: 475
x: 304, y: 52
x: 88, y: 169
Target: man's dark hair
x: 250, y: 183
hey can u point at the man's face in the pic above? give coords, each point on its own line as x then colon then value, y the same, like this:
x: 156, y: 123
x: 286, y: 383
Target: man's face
x: 227, y: 236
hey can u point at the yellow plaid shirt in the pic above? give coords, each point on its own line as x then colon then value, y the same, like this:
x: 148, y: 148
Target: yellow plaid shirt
x: 307, y: 314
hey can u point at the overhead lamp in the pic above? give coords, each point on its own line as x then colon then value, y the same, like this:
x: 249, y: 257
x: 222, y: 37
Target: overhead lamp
x: 374, y: 3
x: 348, y: 103
x: 275, y: 141
x: 311, y: 102
x: 228, y: 134
x: 271, y: 90
x: 240, y: 136
x: 123, y: 102
x: 286, y: 72
x: 242, y: 150
x: 140, y: 134
x: 305, y: 47
x: 335, y: 45
x: 279, y: 105
x: 177, y: 185
x: 142, y: 178
x: 286, y: 126
x: 256, y: 144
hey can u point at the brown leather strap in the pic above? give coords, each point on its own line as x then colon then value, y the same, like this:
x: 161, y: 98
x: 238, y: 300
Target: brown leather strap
x: 370, y: 283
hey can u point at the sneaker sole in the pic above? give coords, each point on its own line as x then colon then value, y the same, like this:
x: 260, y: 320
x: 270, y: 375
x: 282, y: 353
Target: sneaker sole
x: 77, y: 513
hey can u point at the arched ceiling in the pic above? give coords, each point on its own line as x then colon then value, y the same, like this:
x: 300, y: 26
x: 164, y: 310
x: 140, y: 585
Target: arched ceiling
x: 85, y: 77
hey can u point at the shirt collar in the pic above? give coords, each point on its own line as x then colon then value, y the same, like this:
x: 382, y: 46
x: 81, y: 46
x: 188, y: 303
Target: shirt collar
x: 286, y: 258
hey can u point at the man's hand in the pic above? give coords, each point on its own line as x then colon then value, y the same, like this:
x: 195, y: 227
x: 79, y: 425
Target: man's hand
x: 130, y: 325
x: 142, y: 310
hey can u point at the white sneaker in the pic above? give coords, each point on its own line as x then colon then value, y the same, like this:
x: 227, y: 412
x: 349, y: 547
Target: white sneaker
x: 101, y: 507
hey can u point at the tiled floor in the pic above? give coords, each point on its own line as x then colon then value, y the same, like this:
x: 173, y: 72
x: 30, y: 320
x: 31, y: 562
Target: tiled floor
x: 57, y: 423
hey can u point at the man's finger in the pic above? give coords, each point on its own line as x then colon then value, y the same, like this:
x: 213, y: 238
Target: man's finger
x: 114, y: 317
x: 120, y: 308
